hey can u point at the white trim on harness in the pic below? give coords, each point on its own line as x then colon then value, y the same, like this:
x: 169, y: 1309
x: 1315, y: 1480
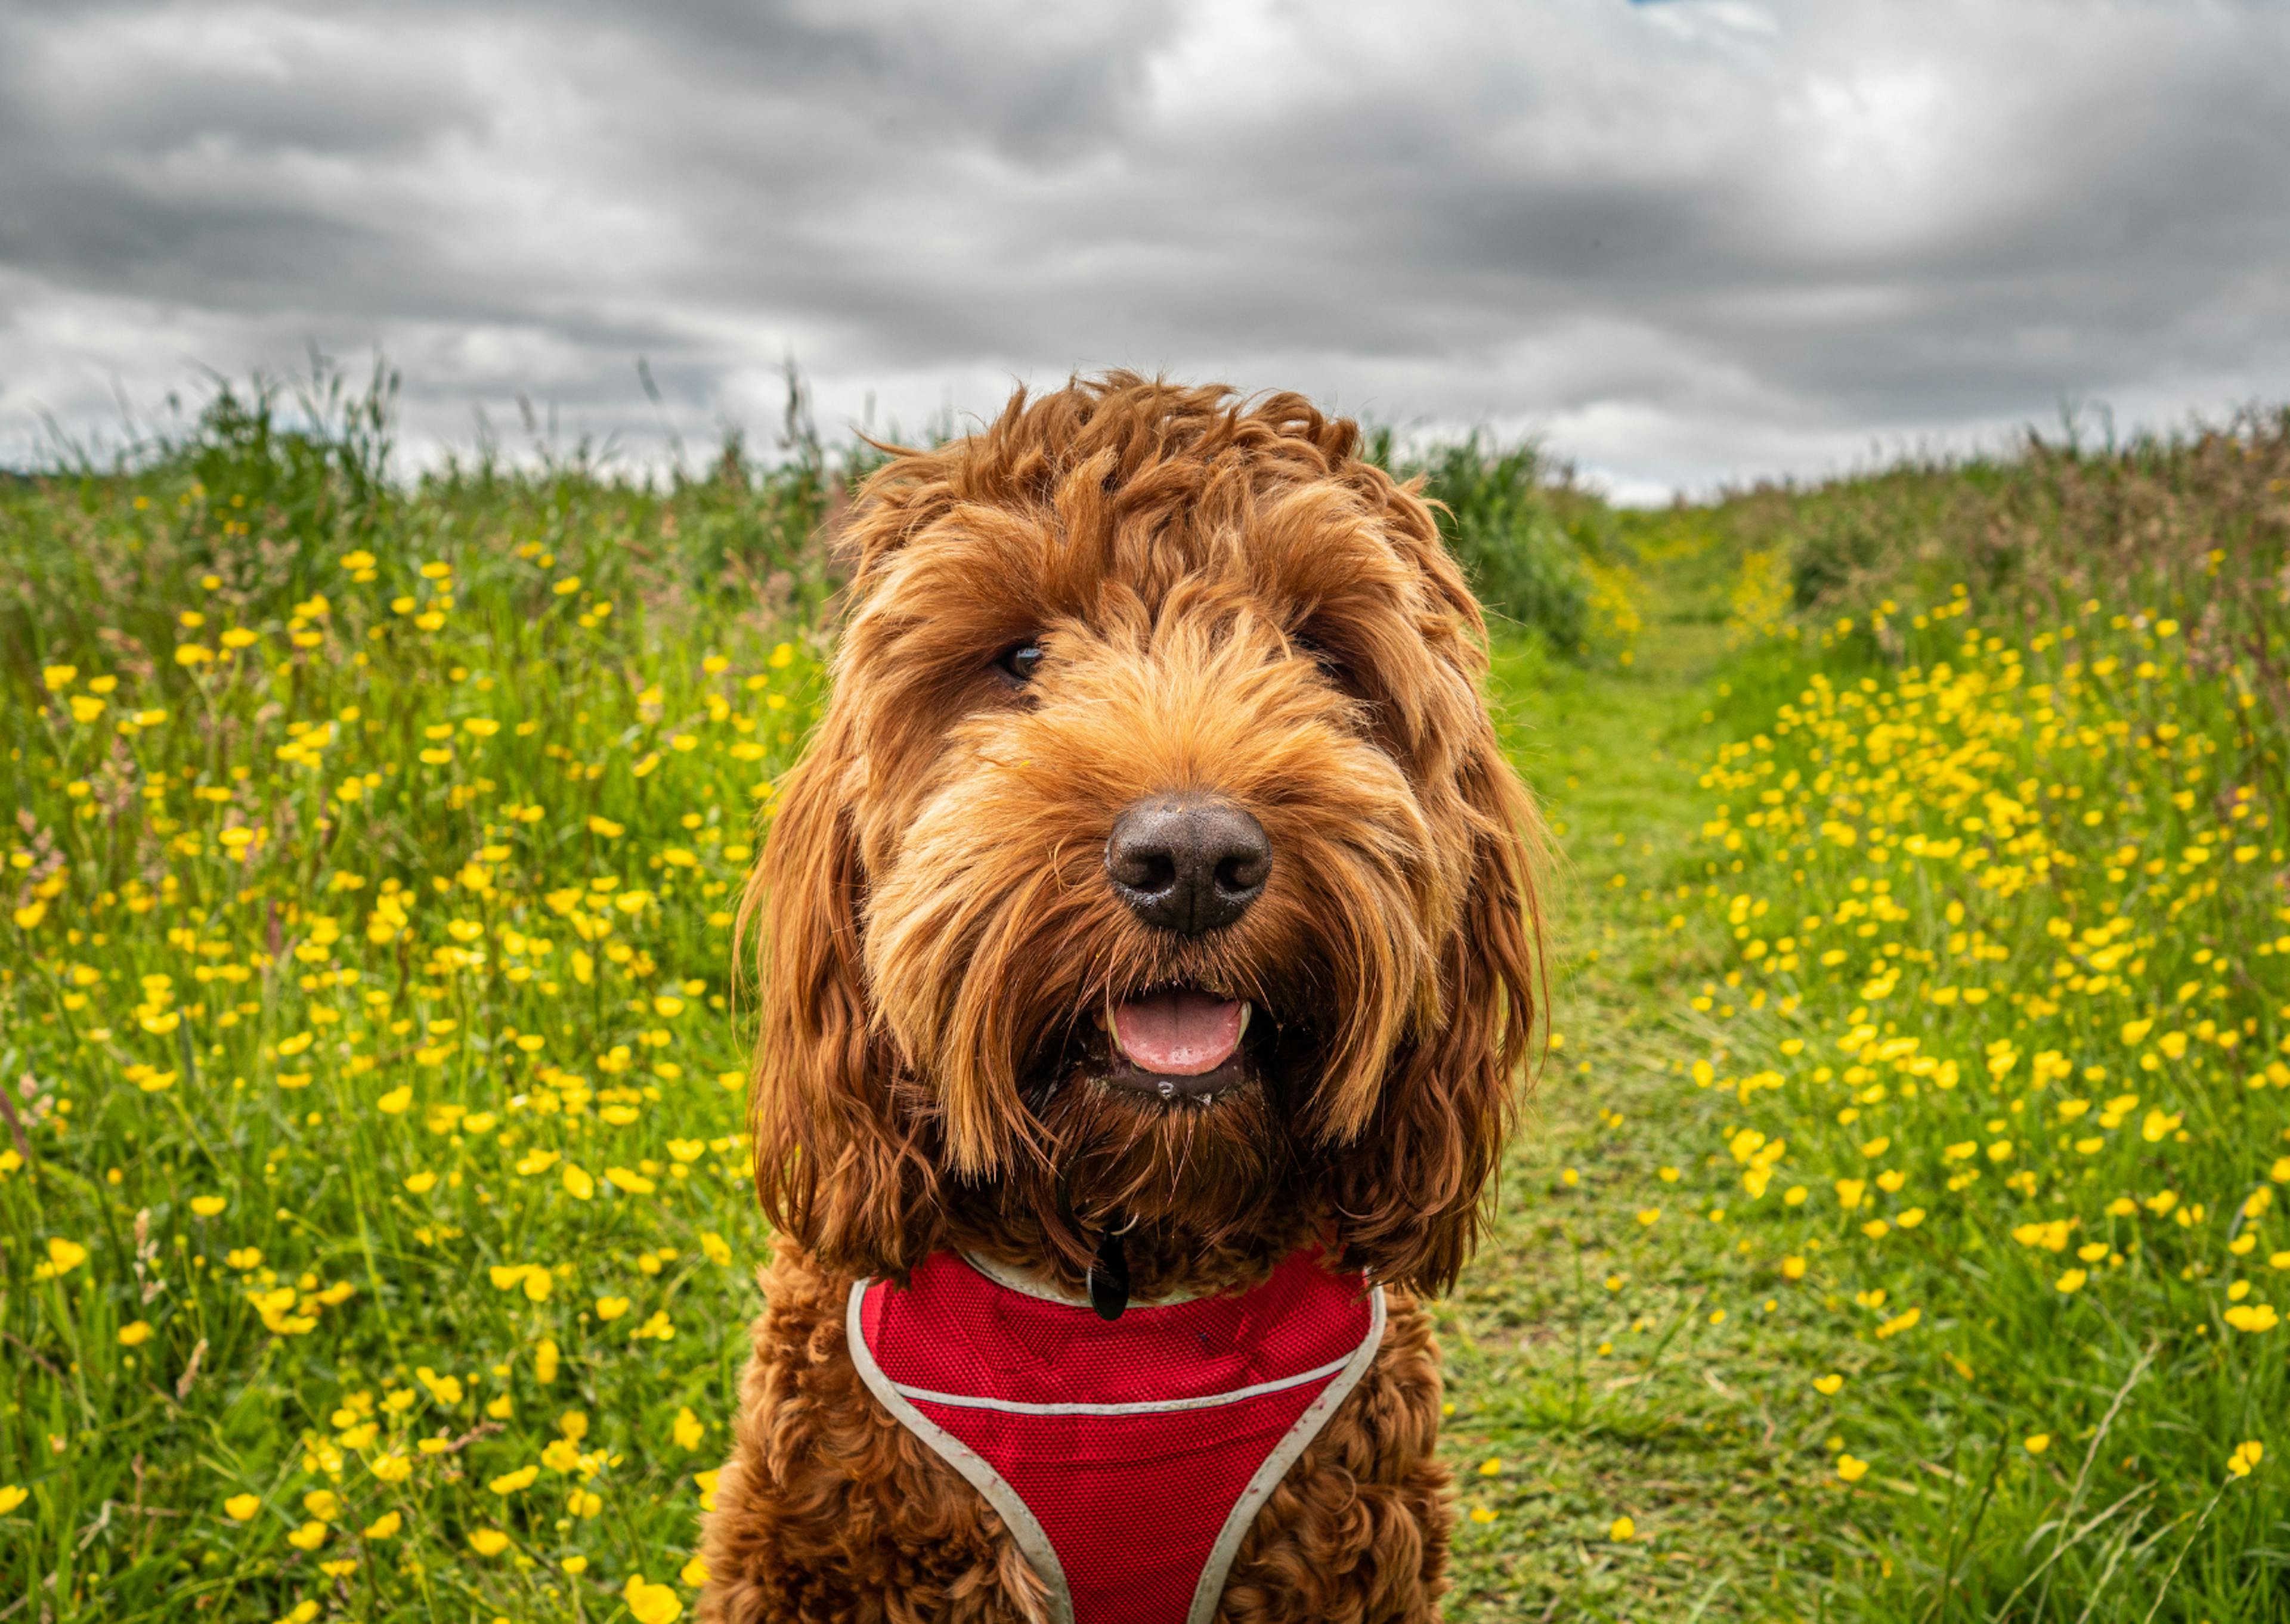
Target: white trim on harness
x: 1042, y: 1290
x: 1155, y: 1406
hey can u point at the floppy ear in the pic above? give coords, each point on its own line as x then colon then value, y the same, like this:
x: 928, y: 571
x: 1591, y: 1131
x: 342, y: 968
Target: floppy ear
x: 842, y: 1161
x: 1410, y: 1190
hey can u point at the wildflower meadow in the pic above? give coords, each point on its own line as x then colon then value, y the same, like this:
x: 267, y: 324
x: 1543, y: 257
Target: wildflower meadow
x: 1899, y: 1232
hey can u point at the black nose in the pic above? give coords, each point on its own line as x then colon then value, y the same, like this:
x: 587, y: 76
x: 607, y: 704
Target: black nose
x: 1188, y: 863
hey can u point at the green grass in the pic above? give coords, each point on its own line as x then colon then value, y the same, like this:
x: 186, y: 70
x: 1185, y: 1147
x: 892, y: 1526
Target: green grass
x: 440, y: 1015
x: 393, y: 925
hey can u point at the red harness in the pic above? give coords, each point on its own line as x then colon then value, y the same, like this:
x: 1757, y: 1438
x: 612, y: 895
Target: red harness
x: 1129, y: 1458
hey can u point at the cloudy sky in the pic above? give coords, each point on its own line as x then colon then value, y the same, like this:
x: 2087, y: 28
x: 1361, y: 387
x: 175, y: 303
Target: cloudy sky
x: 1684, y: 242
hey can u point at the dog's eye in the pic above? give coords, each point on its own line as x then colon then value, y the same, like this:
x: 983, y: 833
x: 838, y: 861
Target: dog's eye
x: 1019, y: 664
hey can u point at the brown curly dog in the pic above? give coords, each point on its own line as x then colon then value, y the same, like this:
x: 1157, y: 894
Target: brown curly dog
x: 1152, y: 922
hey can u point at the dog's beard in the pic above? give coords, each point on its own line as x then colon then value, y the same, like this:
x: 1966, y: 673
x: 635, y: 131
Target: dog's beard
x: 1205, y: 1170
x: 1187, y: 1176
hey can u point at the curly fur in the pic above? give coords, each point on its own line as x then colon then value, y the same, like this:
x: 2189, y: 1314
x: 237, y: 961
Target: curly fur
x: 1227, y: 598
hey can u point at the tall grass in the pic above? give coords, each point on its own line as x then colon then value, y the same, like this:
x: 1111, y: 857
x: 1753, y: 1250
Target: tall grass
x: 373, y: 1157
x: 1999, y: 861
x: 1545, y: 556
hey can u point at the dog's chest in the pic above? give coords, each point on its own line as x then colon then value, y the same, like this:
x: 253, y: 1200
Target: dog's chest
x: 1129, y: 1458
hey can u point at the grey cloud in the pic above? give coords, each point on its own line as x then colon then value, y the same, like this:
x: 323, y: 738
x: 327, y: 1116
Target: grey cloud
x: 1687, y: 241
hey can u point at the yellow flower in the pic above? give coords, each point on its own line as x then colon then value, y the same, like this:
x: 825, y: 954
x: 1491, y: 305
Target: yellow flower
x: 396, y: 1102
x: 2246, y: 1456
x: 241, y: 1508
x: 651, y: 1604
x: 482, y: 727
x: 63, y: 1257
x: 657, y: 1328
x: 208, y: 1206
x: 2036, y: 1443
x: 390, y: 1468
x: 605, y: 827
x: 634, y: 1183
x: 385, y: 1526
x: 695, y: 1573
x: 2072, y: 1281
x: 1827, y: 1386
x: 308, y: 1536
x: 510, y: 1482
x: 134, y: 1333
x: 488, y: 1542
x: 611, y: 1308
x: 13, y: 1495
x: 2158, y: 1125
x: 2252, y: 1317
x: 58, y: 677
x: 1621, y: 1528
x: 421, y: 1183
x: 578, y: 1184
x: 323, y: 1504
x: 1852, y: 1468
x: 714, y: 1245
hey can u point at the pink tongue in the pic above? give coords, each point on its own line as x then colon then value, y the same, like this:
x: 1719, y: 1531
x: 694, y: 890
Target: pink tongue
x: 1178, y: 1034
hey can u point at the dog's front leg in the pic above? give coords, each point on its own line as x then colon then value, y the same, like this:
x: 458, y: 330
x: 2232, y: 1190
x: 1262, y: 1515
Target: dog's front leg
x: 827, y: 1509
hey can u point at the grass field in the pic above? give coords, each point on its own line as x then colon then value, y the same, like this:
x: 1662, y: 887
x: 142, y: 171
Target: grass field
x: 1896, y: 1235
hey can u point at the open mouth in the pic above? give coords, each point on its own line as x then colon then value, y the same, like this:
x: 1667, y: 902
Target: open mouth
x: 1177, y: 1043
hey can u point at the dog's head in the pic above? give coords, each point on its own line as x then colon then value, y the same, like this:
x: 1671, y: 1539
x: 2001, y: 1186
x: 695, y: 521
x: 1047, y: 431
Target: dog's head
x: 1155, y: 854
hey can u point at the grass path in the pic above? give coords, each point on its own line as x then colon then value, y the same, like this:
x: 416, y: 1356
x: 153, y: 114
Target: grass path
x: 1588, y: 1379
